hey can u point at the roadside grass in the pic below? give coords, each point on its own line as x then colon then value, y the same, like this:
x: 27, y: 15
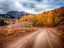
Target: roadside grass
x: 59, y: 30
x: 5, y: 31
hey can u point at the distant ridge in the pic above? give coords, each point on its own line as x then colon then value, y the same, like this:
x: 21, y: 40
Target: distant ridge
x: 15, y: 14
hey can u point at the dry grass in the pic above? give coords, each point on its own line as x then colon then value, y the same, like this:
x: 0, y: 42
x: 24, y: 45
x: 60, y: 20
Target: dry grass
x: 6, y: 31
x: 59, y: 30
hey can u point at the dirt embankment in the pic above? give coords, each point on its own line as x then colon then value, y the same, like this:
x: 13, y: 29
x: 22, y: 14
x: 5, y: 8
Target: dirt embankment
x: 59, y: 30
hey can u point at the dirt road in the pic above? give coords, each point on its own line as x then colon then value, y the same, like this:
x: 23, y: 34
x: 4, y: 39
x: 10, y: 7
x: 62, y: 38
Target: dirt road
x: 44, y: 38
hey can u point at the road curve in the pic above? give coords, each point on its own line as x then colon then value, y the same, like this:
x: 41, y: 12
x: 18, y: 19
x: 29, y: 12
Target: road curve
x: 44, y: 38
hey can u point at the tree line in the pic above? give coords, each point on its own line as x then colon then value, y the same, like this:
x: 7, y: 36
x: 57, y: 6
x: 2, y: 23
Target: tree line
x: 47, y: 18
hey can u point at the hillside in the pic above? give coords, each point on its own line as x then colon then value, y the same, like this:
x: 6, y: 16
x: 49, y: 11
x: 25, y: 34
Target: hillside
x: 47, y: 18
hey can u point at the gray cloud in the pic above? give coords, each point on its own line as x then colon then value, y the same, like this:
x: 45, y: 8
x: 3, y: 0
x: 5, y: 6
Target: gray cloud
x: 30, y: 6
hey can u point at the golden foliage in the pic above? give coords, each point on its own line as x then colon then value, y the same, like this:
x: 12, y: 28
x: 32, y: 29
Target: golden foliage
x: 45, y: 18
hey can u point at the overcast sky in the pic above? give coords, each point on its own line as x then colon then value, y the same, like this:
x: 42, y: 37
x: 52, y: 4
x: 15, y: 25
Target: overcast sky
x: 29, y: 6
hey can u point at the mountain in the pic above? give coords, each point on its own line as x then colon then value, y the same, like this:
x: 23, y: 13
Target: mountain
x: 16, y: 14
